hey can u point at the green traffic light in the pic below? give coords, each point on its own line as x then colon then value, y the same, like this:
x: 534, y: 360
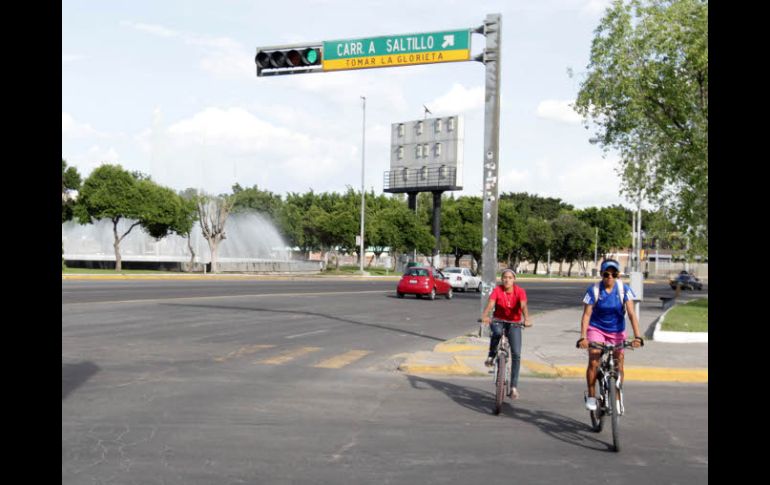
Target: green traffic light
x: 312, y: 56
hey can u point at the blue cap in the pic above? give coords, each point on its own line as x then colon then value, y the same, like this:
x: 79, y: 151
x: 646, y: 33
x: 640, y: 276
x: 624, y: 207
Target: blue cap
x: 610, y: 263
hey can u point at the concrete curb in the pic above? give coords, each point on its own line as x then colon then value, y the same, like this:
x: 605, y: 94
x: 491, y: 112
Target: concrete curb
x: 677, y: 337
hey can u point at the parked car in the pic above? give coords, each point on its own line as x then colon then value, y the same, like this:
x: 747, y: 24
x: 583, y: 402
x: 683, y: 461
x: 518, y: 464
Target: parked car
x: 686, y: 282
x: 424, y: 281
x: 462, y: 279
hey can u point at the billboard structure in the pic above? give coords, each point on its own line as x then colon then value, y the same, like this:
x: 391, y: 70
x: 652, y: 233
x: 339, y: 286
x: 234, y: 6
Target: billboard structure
x: 426, y: 156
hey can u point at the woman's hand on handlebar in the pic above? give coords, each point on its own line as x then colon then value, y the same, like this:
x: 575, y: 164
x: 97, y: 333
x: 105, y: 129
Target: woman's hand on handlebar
x: 485, y: 319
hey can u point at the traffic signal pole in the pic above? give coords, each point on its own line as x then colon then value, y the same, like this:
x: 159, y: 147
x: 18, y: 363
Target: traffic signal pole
x: 491, y: 58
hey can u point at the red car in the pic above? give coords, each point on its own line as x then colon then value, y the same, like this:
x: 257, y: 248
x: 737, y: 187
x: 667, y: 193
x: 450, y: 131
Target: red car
x: 421, y: 281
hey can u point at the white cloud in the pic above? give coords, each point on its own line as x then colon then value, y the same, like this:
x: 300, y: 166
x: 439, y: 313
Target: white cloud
x: 73, y: 129
x: 595, y: 7
x: 216, y: 146
x: 558, y: 110
x: 71, y: 57
x: 152, y: 29
x: 582, y: 183
x: 459, y: 99
x: 221, y: 56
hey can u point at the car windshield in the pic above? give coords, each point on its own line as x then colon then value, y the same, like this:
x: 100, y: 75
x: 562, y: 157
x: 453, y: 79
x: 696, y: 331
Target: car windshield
x: 451, y: 270
x: 418, y: 272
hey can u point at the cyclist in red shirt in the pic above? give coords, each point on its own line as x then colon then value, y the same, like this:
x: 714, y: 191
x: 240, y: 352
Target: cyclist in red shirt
x: 510, y: 304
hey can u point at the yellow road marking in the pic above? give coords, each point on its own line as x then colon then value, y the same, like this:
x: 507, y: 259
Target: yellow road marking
x: 247, y: 350
x: 288, y: 355
x: 342, y: 360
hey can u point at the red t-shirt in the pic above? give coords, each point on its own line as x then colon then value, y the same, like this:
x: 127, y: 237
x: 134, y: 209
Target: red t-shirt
x: 508, y: 305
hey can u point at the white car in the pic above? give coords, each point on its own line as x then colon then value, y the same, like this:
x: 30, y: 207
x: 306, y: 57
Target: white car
x: 462, y: 279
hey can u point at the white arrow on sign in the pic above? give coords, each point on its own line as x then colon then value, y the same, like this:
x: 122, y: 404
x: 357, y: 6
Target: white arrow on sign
x: 448, y: 40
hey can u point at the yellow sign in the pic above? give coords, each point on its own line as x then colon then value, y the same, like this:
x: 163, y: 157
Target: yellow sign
x: 396, y: 60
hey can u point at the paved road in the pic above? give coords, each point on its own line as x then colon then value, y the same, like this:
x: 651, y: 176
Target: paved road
x: 293, y: 382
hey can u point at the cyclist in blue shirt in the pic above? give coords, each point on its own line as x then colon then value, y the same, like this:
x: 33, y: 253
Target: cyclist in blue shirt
x: 604, y: 321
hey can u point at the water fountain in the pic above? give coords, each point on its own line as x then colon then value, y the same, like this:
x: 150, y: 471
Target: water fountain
x: 252, y: 245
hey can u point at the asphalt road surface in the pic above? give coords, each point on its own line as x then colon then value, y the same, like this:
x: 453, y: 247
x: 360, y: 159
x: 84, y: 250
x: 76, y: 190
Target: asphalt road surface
x: 295, y: 382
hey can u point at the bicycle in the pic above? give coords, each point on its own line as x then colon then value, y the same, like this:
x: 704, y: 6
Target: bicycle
x: 502, y: 366
x: 609, y: 400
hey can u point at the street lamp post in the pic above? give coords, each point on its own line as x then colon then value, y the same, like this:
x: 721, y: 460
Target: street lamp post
x: 363, y: 159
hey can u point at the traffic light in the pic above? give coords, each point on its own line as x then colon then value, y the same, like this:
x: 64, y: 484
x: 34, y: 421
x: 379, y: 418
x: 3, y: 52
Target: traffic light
x: 289, y: 59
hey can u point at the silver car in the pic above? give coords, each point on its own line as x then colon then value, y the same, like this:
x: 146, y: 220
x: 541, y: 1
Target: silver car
x: 462, y: 279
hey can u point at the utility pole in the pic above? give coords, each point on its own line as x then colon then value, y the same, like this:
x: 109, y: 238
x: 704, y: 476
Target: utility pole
x: 492, y: 30
x: 363, y: 200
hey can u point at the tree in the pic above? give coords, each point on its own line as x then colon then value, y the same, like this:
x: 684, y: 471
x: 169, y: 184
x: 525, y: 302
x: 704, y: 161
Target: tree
x: 70, y: 181
x: 111, y: 192
x: 468, y: 237
x: 646, y: 90
x: 511, y: 233
x: 572, y: 240
x: 212, y: 214
x: 614, y: 224
x: 187, y: 218
x: 254, y: 199
x: 539, y: 237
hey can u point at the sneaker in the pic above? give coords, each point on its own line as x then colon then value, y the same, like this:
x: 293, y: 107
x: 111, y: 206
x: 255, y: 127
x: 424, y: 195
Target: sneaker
x: 590, y: 403
x: 514, y: 393
x: 489, y: 362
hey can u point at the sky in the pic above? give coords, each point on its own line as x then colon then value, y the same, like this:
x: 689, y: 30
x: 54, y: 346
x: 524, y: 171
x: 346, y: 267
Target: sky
x: 170, y: 89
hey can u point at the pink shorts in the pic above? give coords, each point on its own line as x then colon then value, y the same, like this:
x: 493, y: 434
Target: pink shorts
x: 597, y: 335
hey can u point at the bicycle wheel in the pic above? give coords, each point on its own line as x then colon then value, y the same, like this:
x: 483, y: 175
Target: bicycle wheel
x: 613, y: 407
x: 500, y: 383
x: 597, y: 417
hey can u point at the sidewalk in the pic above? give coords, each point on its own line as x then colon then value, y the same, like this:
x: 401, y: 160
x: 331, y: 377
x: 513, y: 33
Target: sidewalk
x: 548, y: 350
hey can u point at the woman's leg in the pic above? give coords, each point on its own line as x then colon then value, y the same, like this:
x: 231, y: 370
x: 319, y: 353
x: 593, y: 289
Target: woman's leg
x: 494, y: 339
x: 594, y: 356
x: 514, y: 337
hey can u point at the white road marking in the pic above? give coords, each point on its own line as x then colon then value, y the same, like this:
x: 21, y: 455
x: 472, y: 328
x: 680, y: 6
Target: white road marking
x: 306, y: 333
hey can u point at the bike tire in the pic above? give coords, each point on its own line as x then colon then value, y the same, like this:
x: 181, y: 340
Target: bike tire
x: 500, y: 383
x: 597, y: 417
x: 613, y: 407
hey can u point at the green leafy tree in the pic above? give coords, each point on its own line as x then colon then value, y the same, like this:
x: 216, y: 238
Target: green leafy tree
x: 254, y: 199
x: 296, y: 224
x: 111, y: 192
x: 539, y: 237
x: 572, y: 240
x: 468, y: 237
x: 614, y: 224
x: 70, y: 181
x: 511, y: 233
x: 646, y: 91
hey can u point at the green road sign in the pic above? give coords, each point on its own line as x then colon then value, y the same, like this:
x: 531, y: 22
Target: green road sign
x: 397, y: 50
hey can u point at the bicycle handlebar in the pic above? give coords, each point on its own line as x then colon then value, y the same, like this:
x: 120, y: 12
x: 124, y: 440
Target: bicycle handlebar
x: 597, y: 345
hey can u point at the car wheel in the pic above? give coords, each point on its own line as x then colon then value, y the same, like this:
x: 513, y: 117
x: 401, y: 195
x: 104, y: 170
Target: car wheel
x: 432, y: 295
x: 465, y: 288
x: 449, y: 294
x: 478, y: 289
x: 400, y: 295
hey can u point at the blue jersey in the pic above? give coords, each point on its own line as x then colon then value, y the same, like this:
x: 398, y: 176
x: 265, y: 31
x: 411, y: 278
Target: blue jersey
x: 608, y: 314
